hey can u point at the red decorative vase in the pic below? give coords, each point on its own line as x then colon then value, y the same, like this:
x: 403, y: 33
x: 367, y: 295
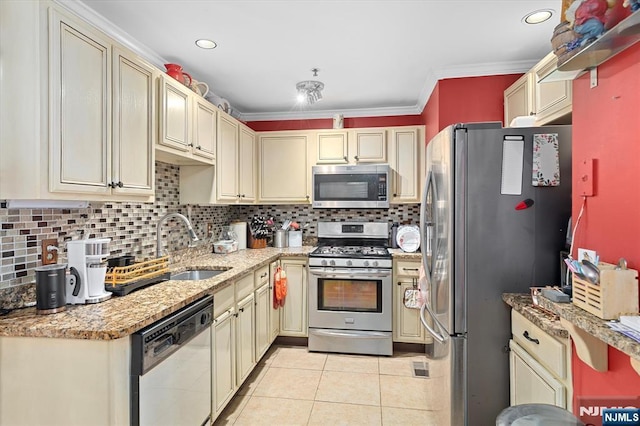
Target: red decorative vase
x: 175, y: 71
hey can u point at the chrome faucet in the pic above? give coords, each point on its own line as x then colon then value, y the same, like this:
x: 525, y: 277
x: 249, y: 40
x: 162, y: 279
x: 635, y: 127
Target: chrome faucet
x: 190, y: 230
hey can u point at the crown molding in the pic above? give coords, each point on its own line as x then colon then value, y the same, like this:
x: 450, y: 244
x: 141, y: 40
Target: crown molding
x: 361, y: 112
x: 85, y: 12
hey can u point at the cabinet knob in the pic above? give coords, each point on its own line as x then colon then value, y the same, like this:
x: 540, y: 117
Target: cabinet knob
x: 191, y: 145
x: 395, y: 195
x: 399, y: 283
x: 235, y: 315
x: 238, y: 196
x: 241, y: 310
x: 111, y: 184
x: 120, y: 184
x: 198, y: 147
x: 346, y: 159
x: 243, y: 196
x: 356, y: 158
x: 307, y: 197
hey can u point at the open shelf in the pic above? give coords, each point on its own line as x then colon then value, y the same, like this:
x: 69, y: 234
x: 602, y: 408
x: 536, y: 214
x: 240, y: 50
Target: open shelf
x: 623, y: 35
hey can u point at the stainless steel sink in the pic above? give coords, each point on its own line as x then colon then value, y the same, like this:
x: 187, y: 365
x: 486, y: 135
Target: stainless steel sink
x: 196, y: 274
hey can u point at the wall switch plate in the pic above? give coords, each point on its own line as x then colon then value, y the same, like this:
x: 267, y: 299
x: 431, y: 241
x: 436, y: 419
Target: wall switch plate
x: 49, y: 256
x: 586, y: 177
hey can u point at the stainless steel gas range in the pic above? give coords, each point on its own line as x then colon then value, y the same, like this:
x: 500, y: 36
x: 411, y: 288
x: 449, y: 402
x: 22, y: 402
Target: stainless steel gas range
x: 350, y: 289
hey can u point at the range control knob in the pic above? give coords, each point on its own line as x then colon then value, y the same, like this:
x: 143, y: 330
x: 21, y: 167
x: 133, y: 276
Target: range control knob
x: 366, y: 263
x: 332, y: 263
x: 375, y: 263
x: 349, y: 263
x: 324, y: 263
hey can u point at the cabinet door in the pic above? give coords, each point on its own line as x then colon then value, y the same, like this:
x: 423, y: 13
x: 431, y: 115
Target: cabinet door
x: 284, y: 175
x: 227, y: 158
x: 530, y: 382
x: 274, y: 314
x: 405, y: 163
x: 370, y: 146
x: 263, y: 324
x: 553, y: 99
x: 407, y: 326
x: 293, y: 316
x: 245, y: 339
x: 133, y: 124
x: 332, y: 148
x: 518, y: 99
x: 223, y: 358
x: 175, y: 114
x: 205, y: 125
x: 79, y: 107
x: 247, y: 165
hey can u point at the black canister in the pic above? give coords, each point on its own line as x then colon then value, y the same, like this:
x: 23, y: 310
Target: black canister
x: 394, y: 233
x: 50, y: 289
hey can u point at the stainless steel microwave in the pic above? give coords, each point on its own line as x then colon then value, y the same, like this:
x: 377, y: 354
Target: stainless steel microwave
x: 344, y: 186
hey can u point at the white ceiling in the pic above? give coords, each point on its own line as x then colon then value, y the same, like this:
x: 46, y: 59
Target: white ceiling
x: 375, y: 57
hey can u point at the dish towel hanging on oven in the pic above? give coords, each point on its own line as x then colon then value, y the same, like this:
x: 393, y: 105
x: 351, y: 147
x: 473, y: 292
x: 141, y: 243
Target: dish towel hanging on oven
x: 280, y: 287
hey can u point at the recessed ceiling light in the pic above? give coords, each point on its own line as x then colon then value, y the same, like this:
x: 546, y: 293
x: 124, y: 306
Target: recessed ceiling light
x: 537, y: 16
x: 206, y: 44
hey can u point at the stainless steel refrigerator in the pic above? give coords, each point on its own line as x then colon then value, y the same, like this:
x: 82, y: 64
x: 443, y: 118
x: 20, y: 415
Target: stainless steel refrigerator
x: 494, y: 216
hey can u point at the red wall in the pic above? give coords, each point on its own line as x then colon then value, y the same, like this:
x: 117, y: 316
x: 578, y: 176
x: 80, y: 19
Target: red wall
x: 606, y: 127
x: 327, y: 123
x: 466, y: 100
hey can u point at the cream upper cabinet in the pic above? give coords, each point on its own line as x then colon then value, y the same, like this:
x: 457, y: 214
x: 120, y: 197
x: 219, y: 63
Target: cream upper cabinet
x: 188, y: 125
x: 550, y: 102
x: 102, y: 115
x: 247, y: 164
x: 518, y: 99
x: 284, y: 172
x: 553, y: 100
x: 204, y: 128
x: 352, y: 146
x: 407, y: 163
x: 134, y: 130
x: 227, y: 158
x: 332, y: 147
x: 369, y: 145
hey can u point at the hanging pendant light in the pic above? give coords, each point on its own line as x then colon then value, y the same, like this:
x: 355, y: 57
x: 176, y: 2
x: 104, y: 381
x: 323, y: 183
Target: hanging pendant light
x: 310, y: 91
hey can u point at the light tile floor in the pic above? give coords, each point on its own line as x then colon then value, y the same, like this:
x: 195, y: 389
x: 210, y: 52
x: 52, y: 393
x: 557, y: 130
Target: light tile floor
x: 291, y: 386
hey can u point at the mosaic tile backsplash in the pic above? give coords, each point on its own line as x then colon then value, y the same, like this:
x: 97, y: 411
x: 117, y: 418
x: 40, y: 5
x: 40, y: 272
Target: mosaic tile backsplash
x: 132, y: 226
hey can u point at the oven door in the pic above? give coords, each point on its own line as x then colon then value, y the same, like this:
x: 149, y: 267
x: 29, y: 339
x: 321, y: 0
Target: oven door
x: 350, y: 299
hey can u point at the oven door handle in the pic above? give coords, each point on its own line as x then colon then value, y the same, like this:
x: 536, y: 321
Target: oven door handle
x: 332, y: 333
x: 341, y: 273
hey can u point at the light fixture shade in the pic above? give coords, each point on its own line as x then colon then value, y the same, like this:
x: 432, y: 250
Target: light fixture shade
x: 309, y: 91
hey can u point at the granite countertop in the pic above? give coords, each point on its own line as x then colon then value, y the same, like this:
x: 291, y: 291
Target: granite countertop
x: 121, y: 316
x: 582, y: 319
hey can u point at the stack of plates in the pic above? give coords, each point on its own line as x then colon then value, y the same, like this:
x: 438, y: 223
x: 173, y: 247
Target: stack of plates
x: 408, y: 238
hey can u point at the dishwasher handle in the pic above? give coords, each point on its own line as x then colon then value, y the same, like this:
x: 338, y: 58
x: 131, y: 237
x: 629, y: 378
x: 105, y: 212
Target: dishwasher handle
x: 162, y: 344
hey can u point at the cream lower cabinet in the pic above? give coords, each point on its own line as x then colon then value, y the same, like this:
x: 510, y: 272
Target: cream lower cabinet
x: 223, y: 359
x: 245, y: 338
x: 284, y: 174
x: 263, y: 311
x: 187, y: 125
x: 540, y: 365
x: 40, y: 377
x: 407, y: 327
x: 293, y: 316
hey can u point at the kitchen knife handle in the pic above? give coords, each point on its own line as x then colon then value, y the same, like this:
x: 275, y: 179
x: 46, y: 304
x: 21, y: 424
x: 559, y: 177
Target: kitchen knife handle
x: 531, y: 339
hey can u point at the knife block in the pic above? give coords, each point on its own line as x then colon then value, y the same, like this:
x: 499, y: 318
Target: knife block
x: 616, y: 294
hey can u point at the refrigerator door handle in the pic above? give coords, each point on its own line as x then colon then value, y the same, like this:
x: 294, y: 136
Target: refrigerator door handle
x: 442, y: 338
x: 426, y: 229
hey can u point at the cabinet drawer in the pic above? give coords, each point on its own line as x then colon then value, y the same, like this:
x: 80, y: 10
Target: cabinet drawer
x: 261, y: 276
x: 223, y: 300
x: 549, y: 351
x: 244, y: 286
x: 407, y: 269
